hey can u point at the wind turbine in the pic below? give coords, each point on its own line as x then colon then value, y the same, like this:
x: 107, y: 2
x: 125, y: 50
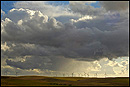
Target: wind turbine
x: 16, y: 73
x: 84, y: 74
x: 105, y: 74
x: 79, y: 74
x: 96, y: 74
x: 63, y: 75
x: 88, y: 74
x: 72, y: 74
x: 56, y: 75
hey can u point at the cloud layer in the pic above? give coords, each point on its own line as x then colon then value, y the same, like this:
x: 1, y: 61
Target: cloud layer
x: 43, y: 42
x: 65, y: 39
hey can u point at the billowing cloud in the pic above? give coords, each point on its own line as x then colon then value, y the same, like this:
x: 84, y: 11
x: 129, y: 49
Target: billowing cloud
x: 120, y: 67
x: 66, y: 39
x: 60, y: 12
x: 34, y: 41
x: 4, y: 47
x: 83, y: 9
x: 114, y: 64
x: 45, y: 8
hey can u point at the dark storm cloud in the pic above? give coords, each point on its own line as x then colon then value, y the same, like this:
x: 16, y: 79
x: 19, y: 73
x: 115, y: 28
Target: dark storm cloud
x: 66, y: 40
x: 39, y: 36
x: 33, y: 62
x: 41, y: 62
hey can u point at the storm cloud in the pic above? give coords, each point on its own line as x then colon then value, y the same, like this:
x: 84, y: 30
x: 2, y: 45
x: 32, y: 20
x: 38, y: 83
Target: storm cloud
x: 50, y: 43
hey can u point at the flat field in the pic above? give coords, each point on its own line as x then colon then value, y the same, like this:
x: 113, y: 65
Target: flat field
x: 62, y: 81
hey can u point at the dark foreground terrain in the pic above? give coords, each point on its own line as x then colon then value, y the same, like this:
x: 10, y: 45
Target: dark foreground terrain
x: 62, y: 81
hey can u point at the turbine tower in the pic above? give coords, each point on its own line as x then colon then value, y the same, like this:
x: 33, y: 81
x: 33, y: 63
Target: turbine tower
x: 79, y: 74
x: 96, y: 75
x: 88, y: 74
x: 84, y: 74
x: 72, y: 74
x: 56, y: 75
x: 16, y: 73
x: 63, y: 75
x: 105, y: 74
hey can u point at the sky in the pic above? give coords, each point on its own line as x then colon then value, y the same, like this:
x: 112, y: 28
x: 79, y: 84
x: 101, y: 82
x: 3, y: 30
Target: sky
x: 63, y: 37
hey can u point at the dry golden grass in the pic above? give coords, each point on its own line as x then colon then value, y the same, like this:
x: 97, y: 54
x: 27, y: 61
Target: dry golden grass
x: 62, y: 81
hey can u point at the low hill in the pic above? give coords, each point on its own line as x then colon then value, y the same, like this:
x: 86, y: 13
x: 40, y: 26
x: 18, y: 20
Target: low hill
x: 62, y: 81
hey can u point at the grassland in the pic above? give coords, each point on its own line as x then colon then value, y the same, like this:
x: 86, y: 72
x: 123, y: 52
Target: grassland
x: 62, y: 81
